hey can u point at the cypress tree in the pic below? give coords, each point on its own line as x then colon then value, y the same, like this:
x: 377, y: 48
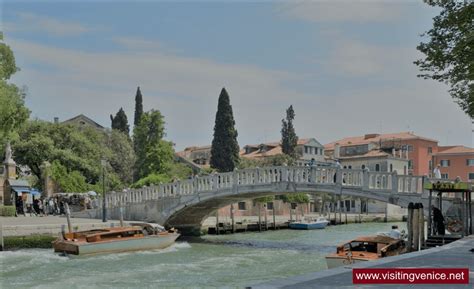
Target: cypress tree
x: 120, y: 122
x: 138, y: 107
x: 289, y: 139
x: 225, y: 149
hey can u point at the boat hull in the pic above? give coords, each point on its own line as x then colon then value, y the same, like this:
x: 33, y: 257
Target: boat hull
x: 151, y: 242
x: 308, y: 226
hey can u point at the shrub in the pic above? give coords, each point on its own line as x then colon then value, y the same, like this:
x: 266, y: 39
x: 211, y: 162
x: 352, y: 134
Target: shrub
x: 33, y: 241
x: 7, y: 211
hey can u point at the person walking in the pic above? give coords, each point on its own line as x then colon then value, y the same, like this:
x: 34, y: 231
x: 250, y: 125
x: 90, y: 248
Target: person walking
x: 437, y: 172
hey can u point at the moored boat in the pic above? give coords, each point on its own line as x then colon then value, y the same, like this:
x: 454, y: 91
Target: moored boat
x: 366, y: 248
x: 136, y: 237
x: 319, y: 223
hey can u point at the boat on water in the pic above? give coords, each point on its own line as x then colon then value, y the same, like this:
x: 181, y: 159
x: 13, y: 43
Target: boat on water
x: 319, y: 223
x: 135, y: 237
x: 366, y: 248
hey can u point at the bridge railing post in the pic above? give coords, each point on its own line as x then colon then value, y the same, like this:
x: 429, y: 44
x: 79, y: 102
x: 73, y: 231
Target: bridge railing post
x: 284, y: 174
x: 338, y: 176
x: 394, y: 182
x: 365, y: 179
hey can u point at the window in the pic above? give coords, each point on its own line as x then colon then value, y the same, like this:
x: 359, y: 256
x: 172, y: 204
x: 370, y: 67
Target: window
x: 391, y: 167
x: 444, y: 163
x: 410, y: 164
x: 362, y: 167
x: 242, y: 206
x: 353, y: 203
x: 444, y: 176
x: 377, y: 167
x: 470, y: 176
x: 430, y: 150
x: 470, y: 162
x: 270, y: 206
x: 349, y: 167
x: 410, y: 148
x: 315, y: 151
x: 430, y: 165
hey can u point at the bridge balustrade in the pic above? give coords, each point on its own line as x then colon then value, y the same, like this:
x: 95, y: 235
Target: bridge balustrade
x: 352, y: 177
x: 378, y: 181
x: 410, y: 184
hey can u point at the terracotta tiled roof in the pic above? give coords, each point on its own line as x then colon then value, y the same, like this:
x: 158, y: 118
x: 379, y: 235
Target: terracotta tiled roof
x: 454, y: 150
x: 370, y: 154
x: 258, y: 154
x: 371, y: 138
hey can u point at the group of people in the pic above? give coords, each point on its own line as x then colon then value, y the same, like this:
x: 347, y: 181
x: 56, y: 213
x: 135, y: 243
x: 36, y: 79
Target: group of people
x: 40, y: 206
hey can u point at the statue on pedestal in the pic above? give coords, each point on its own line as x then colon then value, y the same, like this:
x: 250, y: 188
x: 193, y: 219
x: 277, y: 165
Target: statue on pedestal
x: 8, y: 154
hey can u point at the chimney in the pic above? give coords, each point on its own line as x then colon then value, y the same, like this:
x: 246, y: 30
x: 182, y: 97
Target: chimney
x: 337, y: 150
x: 56, y: 120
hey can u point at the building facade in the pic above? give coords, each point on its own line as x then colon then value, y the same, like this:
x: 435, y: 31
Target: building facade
x: 416, y: 149
x: 455, y: 161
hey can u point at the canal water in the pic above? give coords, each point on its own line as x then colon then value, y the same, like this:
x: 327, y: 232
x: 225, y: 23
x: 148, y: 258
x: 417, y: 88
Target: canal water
x: 220, y: 261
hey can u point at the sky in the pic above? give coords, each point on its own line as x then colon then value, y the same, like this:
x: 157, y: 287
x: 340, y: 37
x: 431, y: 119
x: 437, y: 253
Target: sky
x: 345, y: 66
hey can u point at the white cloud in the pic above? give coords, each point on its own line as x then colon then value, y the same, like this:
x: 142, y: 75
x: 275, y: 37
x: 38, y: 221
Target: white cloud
x: 66, y: 82
x: 358, y: 11
x: 33, y: 22
x: 185, y: 89
x: 137, y: 43
x: 359, y: 59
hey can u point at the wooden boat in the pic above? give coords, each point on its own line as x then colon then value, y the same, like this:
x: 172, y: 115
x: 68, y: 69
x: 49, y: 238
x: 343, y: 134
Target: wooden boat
x: 365, y: 248
x: 138, y: 236
x: 319, y: 223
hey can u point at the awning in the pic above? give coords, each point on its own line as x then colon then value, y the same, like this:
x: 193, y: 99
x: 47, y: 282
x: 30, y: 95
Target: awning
x: 35, y: 192
x: 20, y: 189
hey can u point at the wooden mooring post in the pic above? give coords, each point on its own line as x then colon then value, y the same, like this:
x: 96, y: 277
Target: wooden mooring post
x: 232, y: 217
x: 2, y: 244
x: 416, y: 227
x: 274, y: 218
x: 217, y: 222
x: 410, y: 227
x: 421, y: 225
x: 68, y: 217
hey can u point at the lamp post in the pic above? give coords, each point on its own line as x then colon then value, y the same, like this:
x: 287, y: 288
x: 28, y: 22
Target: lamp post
x: 104, y: 209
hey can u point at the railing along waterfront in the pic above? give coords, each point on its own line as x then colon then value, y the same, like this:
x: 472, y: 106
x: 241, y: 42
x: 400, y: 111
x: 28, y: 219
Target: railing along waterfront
x: 331, y: 176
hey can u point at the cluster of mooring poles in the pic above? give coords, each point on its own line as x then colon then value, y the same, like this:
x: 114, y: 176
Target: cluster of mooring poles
x: 415, y: 227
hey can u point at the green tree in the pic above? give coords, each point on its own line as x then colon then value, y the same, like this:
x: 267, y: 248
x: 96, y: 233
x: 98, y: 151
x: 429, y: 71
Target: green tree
x: 122, y: 156
x: 120, y: 122
x: 138, y: 107
x: 76, y: 149
x: 13, y: 113
x: 225, y: 149
x: 153, y: 153
x: 289, y: 139
x: 299, y: 198
x: 449, y: 51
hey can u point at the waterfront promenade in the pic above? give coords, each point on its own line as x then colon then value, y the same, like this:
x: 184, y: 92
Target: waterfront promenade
x: 454, y: 255
x: 49, y: 225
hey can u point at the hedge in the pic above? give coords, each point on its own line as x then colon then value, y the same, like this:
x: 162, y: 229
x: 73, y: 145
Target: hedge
x: 33, y: 241
x: 7, y: 211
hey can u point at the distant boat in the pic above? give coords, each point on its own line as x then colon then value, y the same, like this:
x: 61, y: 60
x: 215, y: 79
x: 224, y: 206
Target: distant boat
x: 319, y: 223
x: 365, y: 248
x: 136, y: 237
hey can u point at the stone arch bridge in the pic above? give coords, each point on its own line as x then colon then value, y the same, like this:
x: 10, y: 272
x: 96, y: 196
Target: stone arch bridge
x: 186, y: 204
